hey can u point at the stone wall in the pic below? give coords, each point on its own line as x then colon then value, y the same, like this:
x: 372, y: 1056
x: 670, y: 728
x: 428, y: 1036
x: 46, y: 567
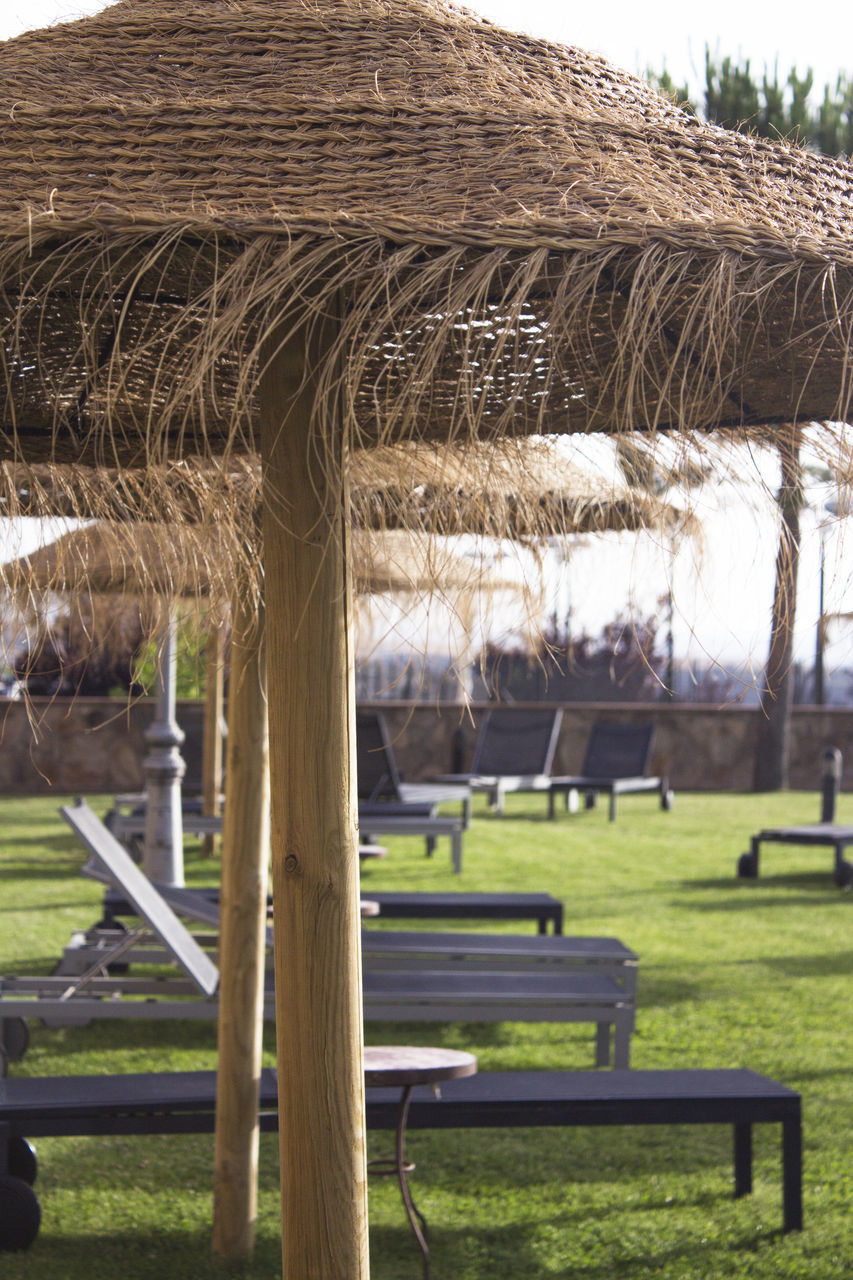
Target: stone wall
x: 697, y: 748
x: 94, y: 745
x: 84, y: 746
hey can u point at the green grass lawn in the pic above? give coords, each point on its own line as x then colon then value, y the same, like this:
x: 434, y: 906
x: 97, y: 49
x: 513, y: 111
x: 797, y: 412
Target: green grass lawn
x: 732, y: 973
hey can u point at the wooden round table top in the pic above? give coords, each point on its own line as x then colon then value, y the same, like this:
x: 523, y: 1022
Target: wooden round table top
x: 410, y: 1064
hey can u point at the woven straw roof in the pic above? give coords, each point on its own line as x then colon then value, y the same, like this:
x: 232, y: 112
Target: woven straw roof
x: 151, y: 566
x: 127, y: 559
x: 536, y: 487
x: 526, y: 489
x: 517, y: 236
x: 181, y: 560
x: 192, y: 529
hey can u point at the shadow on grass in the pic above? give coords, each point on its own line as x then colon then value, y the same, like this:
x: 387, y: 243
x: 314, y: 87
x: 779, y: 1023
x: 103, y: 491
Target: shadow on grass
x: 141, y: 1255
x: 45, y: 838
x: 33, y: 966
x: 528, y: 816
x: 517, y: 1251
x: 137, y: 1035
x: 89, y: 911
x: 37, y: 871
x: 595, y: 1156
x: 505, y: 1250
x: 654, y: 989
x: 829, y: 965
x: 743, y: 895
x: 450, y: 1034
x: 829, y: 1073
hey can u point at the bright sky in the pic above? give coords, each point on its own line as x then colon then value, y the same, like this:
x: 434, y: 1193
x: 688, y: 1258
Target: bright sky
x: 674, y: 33
x: 633, y: 35
x: 733, y: 598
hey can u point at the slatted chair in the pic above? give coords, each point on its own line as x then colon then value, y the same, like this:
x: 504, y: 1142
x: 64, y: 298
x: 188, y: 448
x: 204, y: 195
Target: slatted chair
x: 514, y: 752
x: 616, y: 763
x: 389, y: 806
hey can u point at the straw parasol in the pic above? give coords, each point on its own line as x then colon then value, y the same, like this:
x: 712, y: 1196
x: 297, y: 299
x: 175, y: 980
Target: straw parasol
x: 160, y: 565
x: 313, y: 224
x: 512, y: 488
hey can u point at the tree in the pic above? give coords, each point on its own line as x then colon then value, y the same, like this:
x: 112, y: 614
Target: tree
x: 772, y: 748
x: 736, y: 101
x: 622, y: 663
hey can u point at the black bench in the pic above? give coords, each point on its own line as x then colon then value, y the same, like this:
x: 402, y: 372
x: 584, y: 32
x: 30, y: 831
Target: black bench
x: 501, y: 1099
x: 541, y: 907
x: 827, y: 834
x: 183, y: 1102
x: 546, y: 910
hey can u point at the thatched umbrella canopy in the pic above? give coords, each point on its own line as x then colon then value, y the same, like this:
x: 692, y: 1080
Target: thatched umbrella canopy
x: 310, y: 224
x: 524, y: 238
x: 168, y: 563
x: 525, y: 490
x: 160, y: 565
x: 522, y: 489
x: 102, y: 558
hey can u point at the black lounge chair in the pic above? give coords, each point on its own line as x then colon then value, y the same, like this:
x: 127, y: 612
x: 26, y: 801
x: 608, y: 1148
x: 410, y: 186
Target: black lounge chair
x: 389, y: 806
x: 827, y: 832
x: 380, y: 781
x: 533, y: 980
x: 184, y: 1102
x: 514, y: 752
x: 616, y: 763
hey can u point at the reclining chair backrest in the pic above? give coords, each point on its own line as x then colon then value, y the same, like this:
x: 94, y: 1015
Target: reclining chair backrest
x: 146, y: 899
x: 513, y: 741
x: 618, y: 751
x: 378, y: 778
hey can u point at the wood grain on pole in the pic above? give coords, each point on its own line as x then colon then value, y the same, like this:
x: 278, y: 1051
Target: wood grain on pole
x: 314, y: 828
x: 242, y: 943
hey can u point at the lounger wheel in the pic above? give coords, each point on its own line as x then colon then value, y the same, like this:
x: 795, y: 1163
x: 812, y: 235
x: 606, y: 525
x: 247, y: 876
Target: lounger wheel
x: 15, y: 1038
x: 747, y: 866
x: 21, y: 1160
x: 844, y: 874
x: 20, y: 1214
x: 667, y: 800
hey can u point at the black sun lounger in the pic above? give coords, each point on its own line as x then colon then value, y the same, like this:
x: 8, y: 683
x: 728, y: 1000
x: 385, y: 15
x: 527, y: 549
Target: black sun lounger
x: 545, y: 910
x: 184, y: 1102
x: 514, y: 752
x: 387, y: 806
x: 830, y: 835
x: 463, y: 994
x: 615, y: 764
x: 418, y: 949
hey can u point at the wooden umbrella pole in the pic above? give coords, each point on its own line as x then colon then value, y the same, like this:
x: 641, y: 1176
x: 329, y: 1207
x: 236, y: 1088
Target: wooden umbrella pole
x: 242, y: 942
x: 211, y: 764
x: 314, y: 829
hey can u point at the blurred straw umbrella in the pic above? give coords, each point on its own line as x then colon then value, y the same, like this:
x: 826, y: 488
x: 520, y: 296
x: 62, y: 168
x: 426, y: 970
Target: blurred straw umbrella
x: 174, y: 561
x: 160, y: 565
x: 180, y: 531
x: 418, y: 489
x: 315, y: 225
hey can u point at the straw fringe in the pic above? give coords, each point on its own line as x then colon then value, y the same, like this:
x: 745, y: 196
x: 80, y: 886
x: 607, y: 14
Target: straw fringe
x: 517, y: 238
x: 506, y: 238
x: 129, y: 350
